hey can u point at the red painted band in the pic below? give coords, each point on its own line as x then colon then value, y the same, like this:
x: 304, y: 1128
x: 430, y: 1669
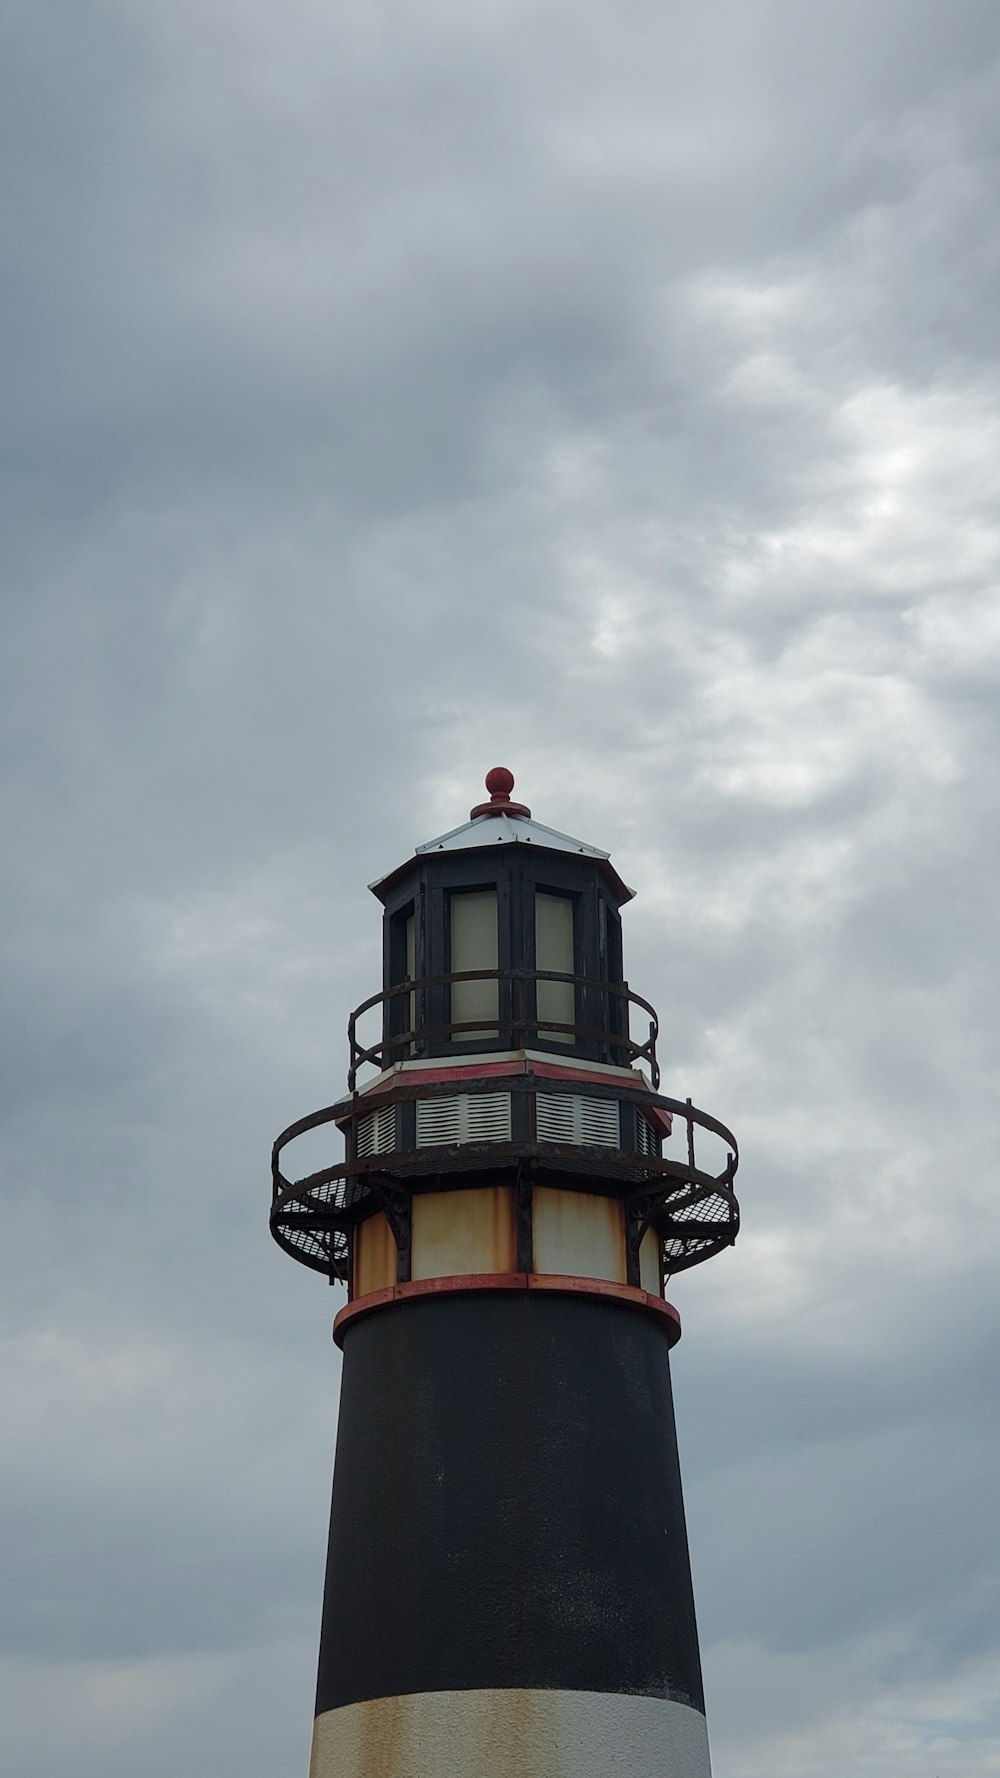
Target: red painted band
x: 552, y: 1283
x: 552, y: 1071
x: 459, y: 1071
x: 465, y: 1071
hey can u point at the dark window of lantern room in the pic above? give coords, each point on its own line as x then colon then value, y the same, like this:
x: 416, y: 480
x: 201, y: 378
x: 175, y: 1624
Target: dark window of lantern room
x: 554, y: 950
x: 473, y: 945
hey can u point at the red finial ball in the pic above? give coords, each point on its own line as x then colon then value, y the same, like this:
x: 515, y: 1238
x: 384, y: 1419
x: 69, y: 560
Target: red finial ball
x: 500, y: 782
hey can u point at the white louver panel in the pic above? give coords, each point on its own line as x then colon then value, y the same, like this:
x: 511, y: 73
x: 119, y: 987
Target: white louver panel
x: 569, y: 1117
x: 377, y: 1132
x: 469, y: 1117
x: 645, y: 1135
x: 554, y: 1117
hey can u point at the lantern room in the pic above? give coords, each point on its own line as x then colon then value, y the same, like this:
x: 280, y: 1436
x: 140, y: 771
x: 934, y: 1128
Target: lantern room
x: 513, y: 933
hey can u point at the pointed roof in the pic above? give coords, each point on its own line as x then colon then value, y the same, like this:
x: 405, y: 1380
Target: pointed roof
x: 503, y: 823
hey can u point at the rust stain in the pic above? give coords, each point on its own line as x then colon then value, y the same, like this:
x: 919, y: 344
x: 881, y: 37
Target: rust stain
x: 464, y: 1231
x: 380, y: 1731
x: 481, y: 1734
x: 649, y: 1262
x: 503, y: 1235
x: 552, y: 1282
x: 525, y: 1725
x: 579, y: 1234
x: 515, y: 1733
x: 374, y: 1256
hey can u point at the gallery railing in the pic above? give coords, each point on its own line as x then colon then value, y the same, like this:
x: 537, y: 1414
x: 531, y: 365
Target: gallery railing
x: 415, y: 1021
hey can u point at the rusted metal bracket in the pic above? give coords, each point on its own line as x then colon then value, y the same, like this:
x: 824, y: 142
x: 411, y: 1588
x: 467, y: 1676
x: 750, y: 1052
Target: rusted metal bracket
x: 638, y: 1218
x: 398, y: 1207
x: 524, y: 1218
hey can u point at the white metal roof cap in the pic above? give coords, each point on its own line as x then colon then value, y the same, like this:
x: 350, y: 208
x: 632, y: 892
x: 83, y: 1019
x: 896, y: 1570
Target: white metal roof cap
x: 503, y: 823
x: 508, y: 830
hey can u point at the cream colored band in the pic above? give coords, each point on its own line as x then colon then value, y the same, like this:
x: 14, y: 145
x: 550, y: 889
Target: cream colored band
x: 511, y: 1734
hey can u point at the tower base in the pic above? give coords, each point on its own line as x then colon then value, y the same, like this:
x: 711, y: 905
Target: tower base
x: 511, y: 1734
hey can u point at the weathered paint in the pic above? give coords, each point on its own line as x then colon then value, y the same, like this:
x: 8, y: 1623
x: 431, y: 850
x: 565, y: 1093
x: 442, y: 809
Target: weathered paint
x: 512, y: 1733
x: 463, y: 1231
x: 649, y: 1262
x: 578, y: 1233
x: 480, y: 1283
x: 374, y: 1256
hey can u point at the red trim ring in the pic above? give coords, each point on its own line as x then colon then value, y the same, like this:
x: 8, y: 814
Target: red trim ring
x: 460, y: 1072
x: 551, y: 1283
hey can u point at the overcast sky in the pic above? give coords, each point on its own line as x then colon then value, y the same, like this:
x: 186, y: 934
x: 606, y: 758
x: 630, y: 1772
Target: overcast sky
x: 391, y: 391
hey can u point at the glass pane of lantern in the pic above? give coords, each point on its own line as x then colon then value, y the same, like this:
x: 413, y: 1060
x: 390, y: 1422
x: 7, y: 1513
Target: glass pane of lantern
x: 554, y: 950
x: 474, y: 946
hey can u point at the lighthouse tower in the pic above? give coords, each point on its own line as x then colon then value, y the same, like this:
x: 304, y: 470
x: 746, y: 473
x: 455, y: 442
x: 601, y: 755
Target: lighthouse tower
x: 508, y: 1592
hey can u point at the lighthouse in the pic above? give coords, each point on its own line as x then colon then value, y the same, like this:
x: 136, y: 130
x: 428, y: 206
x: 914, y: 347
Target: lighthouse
x: 508, y: 1591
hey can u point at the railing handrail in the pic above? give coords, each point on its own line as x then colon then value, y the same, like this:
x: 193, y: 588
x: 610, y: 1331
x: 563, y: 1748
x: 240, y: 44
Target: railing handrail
x: 693, y: 1209
x: 519, y: 1022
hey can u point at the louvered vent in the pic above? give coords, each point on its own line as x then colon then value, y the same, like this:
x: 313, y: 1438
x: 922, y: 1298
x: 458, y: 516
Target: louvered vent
x: 645, y: 1135
x: 377, y: 1132
x: 568, y: 1117
x: 469, y: 1117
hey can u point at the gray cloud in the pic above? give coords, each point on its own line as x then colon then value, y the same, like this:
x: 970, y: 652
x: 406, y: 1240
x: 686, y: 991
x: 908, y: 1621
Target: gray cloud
x: 614, y: 394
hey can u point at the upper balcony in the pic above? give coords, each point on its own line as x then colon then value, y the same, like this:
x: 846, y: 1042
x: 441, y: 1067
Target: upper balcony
x: 514, y: 1009
x: 456, y: 1099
